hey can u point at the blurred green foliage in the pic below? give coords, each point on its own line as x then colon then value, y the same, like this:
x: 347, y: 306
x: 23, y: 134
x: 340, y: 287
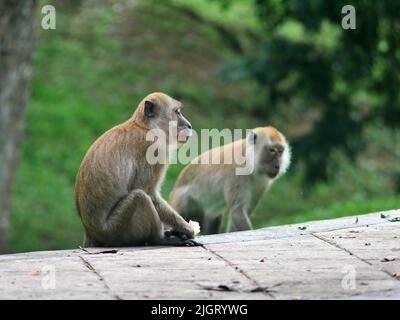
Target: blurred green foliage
x: 218, y: 58
x: 349, y: 77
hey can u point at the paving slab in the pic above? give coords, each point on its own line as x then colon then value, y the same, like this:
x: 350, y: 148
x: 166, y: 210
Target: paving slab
x: 345, y: 258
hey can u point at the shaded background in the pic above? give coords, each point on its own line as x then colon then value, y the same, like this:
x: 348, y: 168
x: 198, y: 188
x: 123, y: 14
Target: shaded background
x: 234, y: 64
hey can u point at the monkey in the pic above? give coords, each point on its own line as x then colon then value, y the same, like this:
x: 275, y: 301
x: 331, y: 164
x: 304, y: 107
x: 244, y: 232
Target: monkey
x: 117, y: 189
x: 203, y: 190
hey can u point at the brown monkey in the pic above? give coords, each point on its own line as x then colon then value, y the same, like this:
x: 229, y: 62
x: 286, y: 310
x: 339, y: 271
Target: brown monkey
x: 118, y: 190
x: 203, y: 190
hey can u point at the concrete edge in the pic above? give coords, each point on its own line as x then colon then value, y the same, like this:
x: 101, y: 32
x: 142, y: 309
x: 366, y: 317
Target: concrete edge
x: 275, y: 232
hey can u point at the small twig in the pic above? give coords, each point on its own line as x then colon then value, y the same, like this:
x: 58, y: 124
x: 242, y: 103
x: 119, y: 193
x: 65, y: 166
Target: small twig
x: 99, y: 252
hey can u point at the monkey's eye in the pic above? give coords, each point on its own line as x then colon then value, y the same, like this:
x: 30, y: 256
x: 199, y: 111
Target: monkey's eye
x: 178, y: 112
x: 273, y: 150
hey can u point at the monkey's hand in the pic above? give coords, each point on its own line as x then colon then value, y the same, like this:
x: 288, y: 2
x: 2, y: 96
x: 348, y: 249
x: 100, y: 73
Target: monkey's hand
x: 179, y: 227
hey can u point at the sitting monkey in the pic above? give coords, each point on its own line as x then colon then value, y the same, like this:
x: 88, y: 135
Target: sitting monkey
x: 117, y: 189
x: 203, y: 190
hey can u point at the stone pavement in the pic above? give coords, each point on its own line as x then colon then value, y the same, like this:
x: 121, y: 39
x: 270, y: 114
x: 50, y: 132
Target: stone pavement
x: 346, y: 258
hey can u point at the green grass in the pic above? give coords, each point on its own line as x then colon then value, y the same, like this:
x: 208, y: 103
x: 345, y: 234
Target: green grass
x: 89, y: 75
x: 333, y: 211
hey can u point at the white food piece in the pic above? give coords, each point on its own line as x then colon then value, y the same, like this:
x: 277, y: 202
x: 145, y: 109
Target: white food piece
x: 195, y: 225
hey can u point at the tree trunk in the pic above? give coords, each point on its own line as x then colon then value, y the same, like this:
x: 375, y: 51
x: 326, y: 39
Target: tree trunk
x: 16, y: 52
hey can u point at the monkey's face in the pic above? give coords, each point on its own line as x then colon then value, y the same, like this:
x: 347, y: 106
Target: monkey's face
x: 271, y: 159
x: 272, y: 150
x: 164, y: 113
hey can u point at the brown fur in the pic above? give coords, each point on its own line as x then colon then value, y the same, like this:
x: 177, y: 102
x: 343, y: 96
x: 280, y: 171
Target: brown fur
x: 203, y: 190
x: 117, y: 190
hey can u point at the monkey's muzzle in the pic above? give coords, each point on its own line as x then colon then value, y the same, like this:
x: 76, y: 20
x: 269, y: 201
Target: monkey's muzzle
x: 273, y: 173
x: 184, y: 135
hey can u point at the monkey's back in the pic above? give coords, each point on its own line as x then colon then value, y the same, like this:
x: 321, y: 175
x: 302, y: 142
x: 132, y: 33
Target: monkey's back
x: 105, y: 173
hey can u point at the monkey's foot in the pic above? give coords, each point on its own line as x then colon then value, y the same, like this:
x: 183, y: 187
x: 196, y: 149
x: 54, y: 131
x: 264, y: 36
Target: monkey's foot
x: 191, y: 243
x: 179, y: 243
x: 179, y: 234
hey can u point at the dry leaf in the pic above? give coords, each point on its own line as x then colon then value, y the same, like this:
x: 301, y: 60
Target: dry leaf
x: 235, y: 288
x: 258, y: 289
x: 34, y: 273
x: 388, y: 258
x: 221, y: 287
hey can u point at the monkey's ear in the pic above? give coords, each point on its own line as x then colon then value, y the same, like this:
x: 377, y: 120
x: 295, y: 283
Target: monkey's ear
x: 252, y: 137
x: 149, y: 109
